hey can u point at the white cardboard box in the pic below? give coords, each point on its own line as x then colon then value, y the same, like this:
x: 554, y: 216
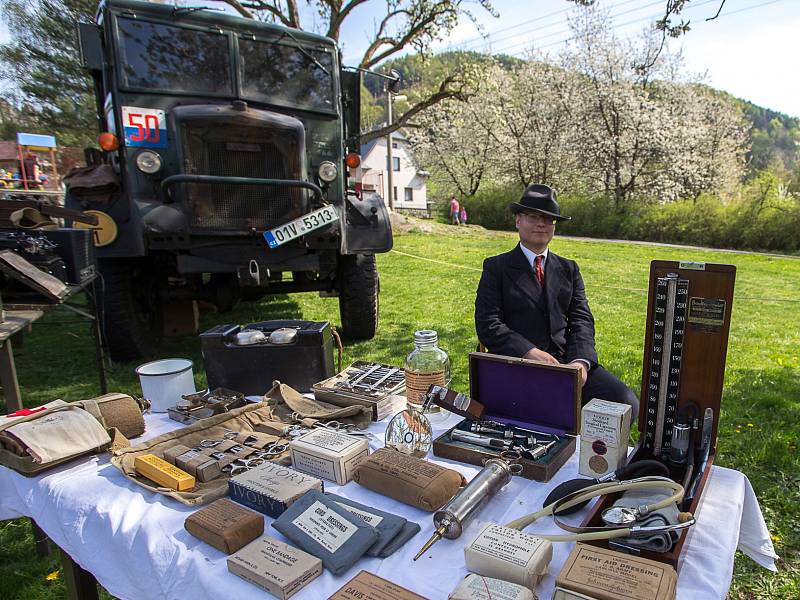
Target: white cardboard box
x: 605, y: 427
x: 328, y: 454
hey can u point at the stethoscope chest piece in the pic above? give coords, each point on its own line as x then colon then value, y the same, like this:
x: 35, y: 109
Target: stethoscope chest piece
x: 620, y: 516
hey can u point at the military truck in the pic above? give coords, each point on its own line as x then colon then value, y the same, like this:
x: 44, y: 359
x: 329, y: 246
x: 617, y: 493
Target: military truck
x: 228, y: 143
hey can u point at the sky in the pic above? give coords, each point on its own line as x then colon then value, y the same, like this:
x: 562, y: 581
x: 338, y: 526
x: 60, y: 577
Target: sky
x: 752, y: 50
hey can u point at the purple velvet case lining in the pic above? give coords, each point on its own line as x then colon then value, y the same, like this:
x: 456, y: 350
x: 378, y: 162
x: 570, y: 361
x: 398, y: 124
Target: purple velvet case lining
x: 524, y: 394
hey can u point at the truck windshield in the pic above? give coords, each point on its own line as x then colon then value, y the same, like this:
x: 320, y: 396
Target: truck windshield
x: 287, y: 75
x: 155, y: 56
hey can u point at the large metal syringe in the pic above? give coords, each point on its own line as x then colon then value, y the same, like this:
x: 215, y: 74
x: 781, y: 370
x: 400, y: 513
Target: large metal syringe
x: 449, y: 520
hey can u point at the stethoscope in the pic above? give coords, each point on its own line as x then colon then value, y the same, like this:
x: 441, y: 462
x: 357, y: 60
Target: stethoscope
x: 619, y: 521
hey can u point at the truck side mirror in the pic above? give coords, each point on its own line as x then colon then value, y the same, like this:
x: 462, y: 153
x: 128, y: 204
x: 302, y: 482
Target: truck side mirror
x: 351, y: 94
x: 91, y: 45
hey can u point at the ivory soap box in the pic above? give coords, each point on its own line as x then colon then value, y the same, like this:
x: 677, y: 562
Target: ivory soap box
x: 605, y: 427
x: 604, y: 574
x: 328, y: 454
x: 275, y: 567
x: 271, y: 488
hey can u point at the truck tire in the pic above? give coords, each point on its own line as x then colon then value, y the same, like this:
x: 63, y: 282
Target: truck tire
x: 130, y: 309
x: 358, y: 285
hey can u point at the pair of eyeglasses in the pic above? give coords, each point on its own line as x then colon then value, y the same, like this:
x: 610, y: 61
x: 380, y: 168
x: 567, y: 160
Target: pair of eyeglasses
x: 537, y: 218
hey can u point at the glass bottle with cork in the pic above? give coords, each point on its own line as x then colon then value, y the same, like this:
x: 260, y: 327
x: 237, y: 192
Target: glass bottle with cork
x: 426, y: 365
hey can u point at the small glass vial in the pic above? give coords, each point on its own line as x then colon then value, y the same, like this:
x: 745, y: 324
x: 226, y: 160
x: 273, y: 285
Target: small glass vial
x: 426, y: 365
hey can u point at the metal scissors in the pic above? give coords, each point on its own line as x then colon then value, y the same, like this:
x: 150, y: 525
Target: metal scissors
x: 240, y: 465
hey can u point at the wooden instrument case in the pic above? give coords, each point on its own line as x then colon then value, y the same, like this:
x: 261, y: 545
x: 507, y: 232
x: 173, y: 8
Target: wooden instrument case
x: 705, y: 346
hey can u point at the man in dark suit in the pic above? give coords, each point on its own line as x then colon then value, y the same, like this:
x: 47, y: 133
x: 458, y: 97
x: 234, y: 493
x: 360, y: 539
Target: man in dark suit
x: 531, y: 303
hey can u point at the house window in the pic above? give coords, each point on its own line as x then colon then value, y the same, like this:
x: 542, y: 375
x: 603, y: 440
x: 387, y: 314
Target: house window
x: 395, y: 194
x: 394, y: 145
x: 395, y: 163
x: 409, y: 195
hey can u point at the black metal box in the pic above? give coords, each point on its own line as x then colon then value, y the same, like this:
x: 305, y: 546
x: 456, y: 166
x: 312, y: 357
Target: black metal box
x: 76, y: 249
x: 252, y: 367
x: 73, y: 246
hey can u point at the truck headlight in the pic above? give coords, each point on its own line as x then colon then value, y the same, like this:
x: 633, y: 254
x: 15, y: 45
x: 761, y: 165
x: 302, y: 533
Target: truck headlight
x: 327, y: 171
x: 148, y: 162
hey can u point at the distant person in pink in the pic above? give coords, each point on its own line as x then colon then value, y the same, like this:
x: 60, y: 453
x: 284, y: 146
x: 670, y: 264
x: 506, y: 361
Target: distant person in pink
x: 454, y: 210
x: 463, y: 216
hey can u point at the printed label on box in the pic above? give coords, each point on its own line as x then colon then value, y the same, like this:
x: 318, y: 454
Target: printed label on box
x: 368, y: 518
x: 508, y: 545
x: 325, y: 527
x: 329, y: 440
x: 601, y: 427
x: 314, y: 465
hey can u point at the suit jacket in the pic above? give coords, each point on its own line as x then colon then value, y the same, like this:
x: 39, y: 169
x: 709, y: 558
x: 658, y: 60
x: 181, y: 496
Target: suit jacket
x: 513, y: 313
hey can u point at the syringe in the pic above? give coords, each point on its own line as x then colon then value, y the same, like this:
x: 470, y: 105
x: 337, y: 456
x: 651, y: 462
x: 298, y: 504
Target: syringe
x: 449, y: 520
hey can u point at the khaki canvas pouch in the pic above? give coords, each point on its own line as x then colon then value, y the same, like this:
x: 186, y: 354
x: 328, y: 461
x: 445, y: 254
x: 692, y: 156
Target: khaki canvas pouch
x: 414, y: 481
x: 256, y: 417
x: 287, y: 402
x: 15, y: 456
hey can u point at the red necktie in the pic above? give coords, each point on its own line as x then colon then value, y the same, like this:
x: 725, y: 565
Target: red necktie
x: 537, y: 268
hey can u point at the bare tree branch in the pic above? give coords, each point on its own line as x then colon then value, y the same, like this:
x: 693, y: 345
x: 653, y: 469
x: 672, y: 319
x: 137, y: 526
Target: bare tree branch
x: 719, y: 10
x: 338, y: 16
x: 238, y: 7
x: 443, y: 93
x: 289, y: 17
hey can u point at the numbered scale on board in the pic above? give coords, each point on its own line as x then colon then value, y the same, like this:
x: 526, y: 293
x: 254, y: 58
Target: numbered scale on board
x: 668, y: 328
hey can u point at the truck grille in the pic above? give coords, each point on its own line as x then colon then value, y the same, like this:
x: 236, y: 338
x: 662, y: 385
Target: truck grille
x: 241, y: 151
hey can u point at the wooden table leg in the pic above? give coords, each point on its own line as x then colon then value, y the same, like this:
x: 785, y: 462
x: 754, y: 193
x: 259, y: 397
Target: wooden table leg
x: 40, y: 540
x: 8, y: 376
x: 81, y: 584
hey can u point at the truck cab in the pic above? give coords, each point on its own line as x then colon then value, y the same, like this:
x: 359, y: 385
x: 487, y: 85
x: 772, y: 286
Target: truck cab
x: 230, y: 142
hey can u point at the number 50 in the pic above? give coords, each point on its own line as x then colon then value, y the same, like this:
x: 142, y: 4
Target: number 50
x: 146, y: 127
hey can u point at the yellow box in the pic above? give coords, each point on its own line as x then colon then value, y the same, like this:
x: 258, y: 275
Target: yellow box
x: 164, y: 474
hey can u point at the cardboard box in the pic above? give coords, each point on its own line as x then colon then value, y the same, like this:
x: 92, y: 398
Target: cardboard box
x: 275, y: 567
x: 328, y: 454
x: 604, y: 574
x: 366, y: 586
x: 225, y: 525
x: 605, y: 428
x: 164, y: 474
x: 271, y: 488
x: 478, y: 587
x: 525, y: 394
x: 508, y: 554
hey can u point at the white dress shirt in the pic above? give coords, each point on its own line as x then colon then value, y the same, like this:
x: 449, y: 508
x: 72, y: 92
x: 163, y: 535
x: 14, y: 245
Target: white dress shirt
x: 531, y: 256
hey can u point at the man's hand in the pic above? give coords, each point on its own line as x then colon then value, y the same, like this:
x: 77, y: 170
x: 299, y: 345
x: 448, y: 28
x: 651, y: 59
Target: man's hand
x: 584, y: 370
x: 541, y: 356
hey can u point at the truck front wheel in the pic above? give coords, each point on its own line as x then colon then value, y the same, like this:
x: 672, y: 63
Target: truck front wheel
x: 358, y: 285
x: 130, y: 308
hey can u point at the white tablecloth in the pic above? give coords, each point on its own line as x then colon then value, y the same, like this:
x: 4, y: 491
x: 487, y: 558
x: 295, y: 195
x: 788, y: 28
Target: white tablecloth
x: 134, y: 542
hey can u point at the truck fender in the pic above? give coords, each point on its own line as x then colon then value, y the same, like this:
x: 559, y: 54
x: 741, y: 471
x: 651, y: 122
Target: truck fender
x: 366, y: 228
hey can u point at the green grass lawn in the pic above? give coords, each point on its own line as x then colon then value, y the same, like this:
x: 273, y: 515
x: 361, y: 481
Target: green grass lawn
x: 760, y: 417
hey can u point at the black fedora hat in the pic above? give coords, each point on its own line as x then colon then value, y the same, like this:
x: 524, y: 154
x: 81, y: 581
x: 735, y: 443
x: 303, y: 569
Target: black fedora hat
x: 538, y: 198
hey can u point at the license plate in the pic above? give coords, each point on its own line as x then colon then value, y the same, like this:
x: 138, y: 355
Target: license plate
x: 301, y: 226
